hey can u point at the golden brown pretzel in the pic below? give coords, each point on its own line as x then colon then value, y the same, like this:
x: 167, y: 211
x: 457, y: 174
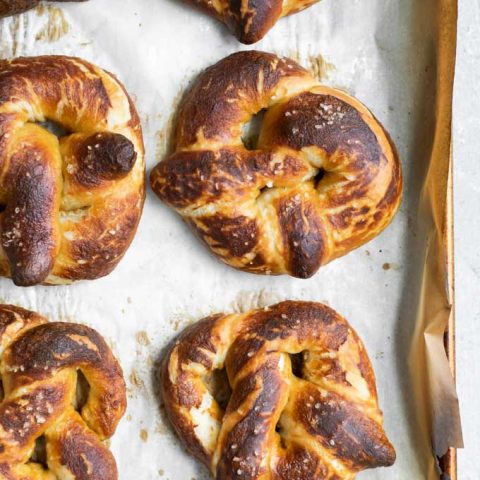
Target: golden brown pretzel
x: 39, y: 365
x: 71, y: 206
x: 12, y: 7
x: 250, y: 20
x: 323, y: 179
x: 303, y: 403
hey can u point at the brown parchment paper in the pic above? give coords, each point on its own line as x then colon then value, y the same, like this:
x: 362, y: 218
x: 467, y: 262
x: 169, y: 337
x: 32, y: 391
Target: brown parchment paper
x: 396, y: 56
x: 433, y: 352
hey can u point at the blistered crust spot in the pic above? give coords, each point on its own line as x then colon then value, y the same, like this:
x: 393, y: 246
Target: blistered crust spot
x: 354, y: 438
x: 103, y: 157
x: 25, y: 416
x: 302, y: 235
x: 80, y: 452
x: 29, y: 238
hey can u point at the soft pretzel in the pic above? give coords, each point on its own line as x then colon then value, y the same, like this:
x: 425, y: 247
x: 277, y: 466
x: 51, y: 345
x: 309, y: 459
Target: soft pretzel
x: 250, y: 20
x: 12, y: 7
x: 323, y: 179
x: 303, y: 401
x: 40, y: 362
x: 71, y: 205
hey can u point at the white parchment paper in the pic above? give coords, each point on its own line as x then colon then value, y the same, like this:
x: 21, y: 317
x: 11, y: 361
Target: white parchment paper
x: 381, y: 51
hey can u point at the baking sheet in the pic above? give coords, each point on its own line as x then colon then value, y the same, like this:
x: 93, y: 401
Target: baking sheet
x: 386, y: 53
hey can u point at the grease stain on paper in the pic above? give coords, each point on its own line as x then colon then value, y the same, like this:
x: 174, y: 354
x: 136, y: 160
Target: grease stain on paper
x: 136, y: 382
x: 391, y: 266
x: 13, y: 33
x: 143, y: 435
x: 164, y: 136
x: 142, y: 338
x: 161, y: 141
x: 319, y: 67
x: 56, y: 26
x: 179, y: 321
x: 250, y: 300
x: 161, y: 428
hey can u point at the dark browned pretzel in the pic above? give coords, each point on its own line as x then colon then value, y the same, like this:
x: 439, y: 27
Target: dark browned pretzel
x: 12, y: 7
x: 40, y: 362
x: 71, y: 206
x: 250, y: 20
x: 303, y: 401
x: 323, y: 178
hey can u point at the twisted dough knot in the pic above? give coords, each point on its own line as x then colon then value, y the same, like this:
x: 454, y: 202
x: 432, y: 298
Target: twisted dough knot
x: 39, y: 365
x: 12, y: 7
x: 303, y: 403
x: 322, y: 180
x: 250, y: 20
x: 71, y: 205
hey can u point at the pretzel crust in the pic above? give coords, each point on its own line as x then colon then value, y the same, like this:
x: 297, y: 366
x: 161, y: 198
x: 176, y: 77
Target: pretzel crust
x: 250, y: 20
x: 39, y: 365
x: 321, y: 422
x: 71, y: 205
x: 323, y: 179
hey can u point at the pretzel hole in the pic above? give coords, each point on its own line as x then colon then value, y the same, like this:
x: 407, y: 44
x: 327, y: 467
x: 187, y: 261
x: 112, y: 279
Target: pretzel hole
x: 219, y: 387
x: 251, y: 130
x: 2, y: 392
x: 297, y: 364
x: 279, y: 430
x: 318, y: 177
x: 39, y: 454
x: 264, y: 189
x: 54, y: 127
x: 82, y: 391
